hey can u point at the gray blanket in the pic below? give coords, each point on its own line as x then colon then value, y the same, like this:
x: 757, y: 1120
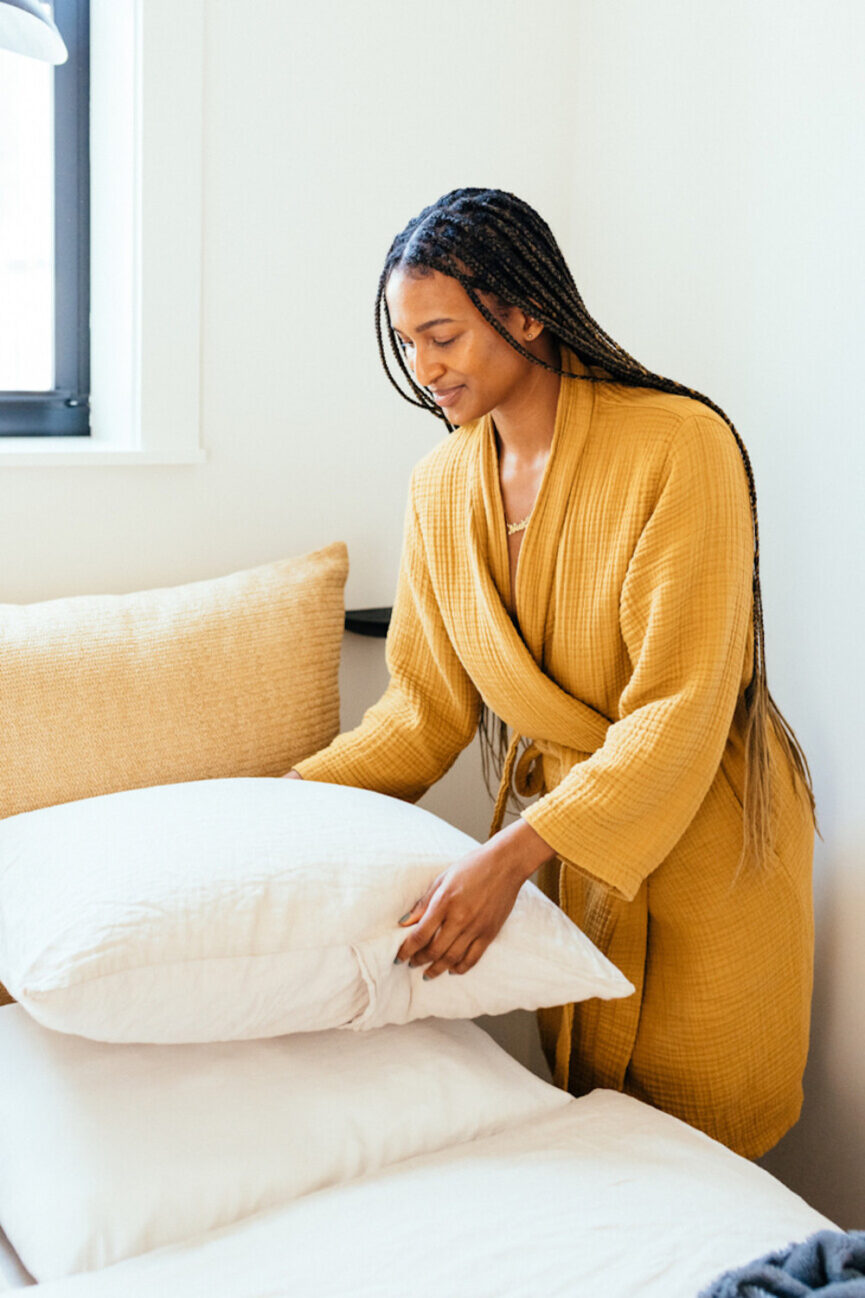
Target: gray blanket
x: 830, y: 1263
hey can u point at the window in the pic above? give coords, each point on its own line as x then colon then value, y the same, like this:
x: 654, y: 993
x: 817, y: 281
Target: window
x: 45, y: 237
x: 146, y: 78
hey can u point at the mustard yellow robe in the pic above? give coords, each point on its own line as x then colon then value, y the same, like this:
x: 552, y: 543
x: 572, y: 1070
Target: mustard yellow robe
x: 626, y: 668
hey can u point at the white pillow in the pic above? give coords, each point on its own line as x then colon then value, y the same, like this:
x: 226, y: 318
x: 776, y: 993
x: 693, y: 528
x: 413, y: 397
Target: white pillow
x: 107, y: 1151
x: 12, y: 1273
x: 220, y: 909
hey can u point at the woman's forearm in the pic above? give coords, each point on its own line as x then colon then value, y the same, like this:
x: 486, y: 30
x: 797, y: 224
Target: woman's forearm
x: 521, y: 849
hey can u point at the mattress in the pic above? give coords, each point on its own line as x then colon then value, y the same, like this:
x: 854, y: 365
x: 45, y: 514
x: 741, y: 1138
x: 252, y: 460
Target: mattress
x: 12, y: 1273
x: 606, y: 1195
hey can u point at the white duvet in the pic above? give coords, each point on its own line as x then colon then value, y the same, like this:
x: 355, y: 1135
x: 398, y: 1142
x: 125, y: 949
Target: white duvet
x: 603, y: 1197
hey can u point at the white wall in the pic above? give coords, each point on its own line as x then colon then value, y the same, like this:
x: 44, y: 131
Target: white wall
x: 717, y: 211
x: 701, y: 170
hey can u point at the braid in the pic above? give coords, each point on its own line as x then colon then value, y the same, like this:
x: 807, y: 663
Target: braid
x: 492, y: 242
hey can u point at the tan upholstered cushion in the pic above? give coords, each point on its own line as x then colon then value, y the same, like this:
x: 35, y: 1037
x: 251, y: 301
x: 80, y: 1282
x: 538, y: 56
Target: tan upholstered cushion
x: 235, y: 676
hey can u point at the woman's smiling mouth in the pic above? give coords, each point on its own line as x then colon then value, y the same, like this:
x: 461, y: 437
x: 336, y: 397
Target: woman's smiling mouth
x: 446, y: 396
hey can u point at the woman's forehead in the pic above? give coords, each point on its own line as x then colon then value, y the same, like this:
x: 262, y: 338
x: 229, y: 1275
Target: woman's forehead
x: 416, y: 300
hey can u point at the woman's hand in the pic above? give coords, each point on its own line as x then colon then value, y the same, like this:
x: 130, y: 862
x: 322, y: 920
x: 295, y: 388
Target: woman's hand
x: 464, y: 908
x: 292, y: 775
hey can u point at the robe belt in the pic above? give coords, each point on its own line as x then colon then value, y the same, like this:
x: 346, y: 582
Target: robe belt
x: 526, y: 776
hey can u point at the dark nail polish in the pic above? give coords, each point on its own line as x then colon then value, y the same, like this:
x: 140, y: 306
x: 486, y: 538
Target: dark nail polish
x: 396, y: 959
x: 402, y: 919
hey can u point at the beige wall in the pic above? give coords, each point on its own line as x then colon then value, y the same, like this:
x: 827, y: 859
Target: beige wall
x: 703, y: 173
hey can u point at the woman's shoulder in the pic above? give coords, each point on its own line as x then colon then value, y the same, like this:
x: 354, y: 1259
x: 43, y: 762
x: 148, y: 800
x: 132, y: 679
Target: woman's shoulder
x: 449, y: 463
x: 636, y: 407
x: 667, y: 424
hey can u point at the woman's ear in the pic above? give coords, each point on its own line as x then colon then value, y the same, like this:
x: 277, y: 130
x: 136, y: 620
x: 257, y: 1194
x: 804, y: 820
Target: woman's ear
x: 532, y: 328
x: 525, y: 328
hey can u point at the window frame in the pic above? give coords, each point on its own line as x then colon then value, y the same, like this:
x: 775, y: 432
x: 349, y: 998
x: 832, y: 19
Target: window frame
x: 146, y: 147
x: 64, y: 410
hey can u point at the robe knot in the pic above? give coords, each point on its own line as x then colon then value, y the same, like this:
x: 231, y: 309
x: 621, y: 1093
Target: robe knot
x: 525, y: 776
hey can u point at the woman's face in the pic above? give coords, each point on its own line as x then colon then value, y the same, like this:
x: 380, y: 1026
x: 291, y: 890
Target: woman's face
x: 468, y: 367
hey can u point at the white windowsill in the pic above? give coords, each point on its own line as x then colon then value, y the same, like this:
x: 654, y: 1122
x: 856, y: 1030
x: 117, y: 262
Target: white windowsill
x: 146, y: 91
x: 42, y: 451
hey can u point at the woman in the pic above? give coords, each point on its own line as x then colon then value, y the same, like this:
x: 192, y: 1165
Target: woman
x: 581, y: 563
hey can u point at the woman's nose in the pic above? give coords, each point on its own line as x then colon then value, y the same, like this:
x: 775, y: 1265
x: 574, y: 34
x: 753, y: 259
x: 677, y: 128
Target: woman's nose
x: 426, y: 370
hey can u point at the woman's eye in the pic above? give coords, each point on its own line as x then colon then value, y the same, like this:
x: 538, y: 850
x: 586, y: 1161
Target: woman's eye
x: 437, y: 342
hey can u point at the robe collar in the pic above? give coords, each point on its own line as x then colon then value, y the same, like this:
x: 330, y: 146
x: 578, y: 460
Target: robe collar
x: 535, y: 569
x: 544, y: 710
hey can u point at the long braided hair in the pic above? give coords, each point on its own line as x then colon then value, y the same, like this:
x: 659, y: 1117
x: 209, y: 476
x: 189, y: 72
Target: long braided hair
x: 492, y: 242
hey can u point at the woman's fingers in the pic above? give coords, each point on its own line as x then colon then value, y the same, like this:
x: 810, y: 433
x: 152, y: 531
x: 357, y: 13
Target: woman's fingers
x: 456, y: 952
x: 464, y: 911
x: 412, y: 916
x: 431, y: 938
x: 472, y: 955
x: 424, y: 920
x: 415, y: 913
x: 448, y: 946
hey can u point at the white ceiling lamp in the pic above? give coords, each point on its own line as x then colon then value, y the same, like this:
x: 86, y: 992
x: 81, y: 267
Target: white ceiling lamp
x: 27, y: 27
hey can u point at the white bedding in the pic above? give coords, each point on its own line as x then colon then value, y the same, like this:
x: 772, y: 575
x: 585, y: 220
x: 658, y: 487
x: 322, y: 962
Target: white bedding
x: 108, y: 1151
x: 605, y: 1196
x: 12, y: 1273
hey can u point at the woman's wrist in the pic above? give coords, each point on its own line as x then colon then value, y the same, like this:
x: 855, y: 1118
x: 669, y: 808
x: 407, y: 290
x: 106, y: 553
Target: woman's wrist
x: 521, y: 849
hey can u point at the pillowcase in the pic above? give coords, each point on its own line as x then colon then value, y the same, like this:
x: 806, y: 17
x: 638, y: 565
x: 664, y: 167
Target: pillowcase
x: 223, y: 909
x: 228, y: 677
x: 108, y: 1151
x: 12, y: 1273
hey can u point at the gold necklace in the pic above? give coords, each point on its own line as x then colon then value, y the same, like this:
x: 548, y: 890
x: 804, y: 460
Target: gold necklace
x: 518, y: 527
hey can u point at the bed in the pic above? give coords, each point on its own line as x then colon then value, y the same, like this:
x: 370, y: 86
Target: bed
x: 605, y: 1196
x: 556, y: 1196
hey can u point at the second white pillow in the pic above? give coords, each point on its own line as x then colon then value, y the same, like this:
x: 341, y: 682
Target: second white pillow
x: 243, y: 908
x: 108, y: 1151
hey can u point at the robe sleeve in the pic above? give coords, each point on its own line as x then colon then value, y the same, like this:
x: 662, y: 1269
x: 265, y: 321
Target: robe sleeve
x: 685, y: 610
x: 429, y: 712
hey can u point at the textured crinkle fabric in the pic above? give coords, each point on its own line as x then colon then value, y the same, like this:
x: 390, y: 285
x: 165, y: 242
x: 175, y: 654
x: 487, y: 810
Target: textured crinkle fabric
x: 830, y: 1263
x: 626, y: 666
x: 237, y: 675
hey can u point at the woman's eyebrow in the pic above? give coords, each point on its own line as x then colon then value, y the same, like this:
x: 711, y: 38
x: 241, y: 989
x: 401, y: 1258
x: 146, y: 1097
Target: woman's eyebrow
x: 445, y: 319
